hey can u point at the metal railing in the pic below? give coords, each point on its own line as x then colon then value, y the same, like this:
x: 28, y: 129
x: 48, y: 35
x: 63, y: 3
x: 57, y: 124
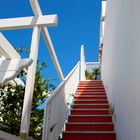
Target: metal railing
x: 58, y: 105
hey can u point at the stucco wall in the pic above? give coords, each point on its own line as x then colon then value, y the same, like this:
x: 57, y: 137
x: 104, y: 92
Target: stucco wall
x: 121, y: 65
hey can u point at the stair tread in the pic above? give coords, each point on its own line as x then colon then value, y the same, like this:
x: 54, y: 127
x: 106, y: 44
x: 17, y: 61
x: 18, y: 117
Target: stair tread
x: 91, y: 115
x: 88, y: 123
x: 92, y: 100
x: 90, y: 96
x: 81, y: 109
x: 91, y: 132
x: 89, y: 104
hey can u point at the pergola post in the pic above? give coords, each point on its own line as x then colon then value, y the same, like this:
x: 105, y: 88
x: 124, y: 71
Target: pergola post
x: 25, y: 121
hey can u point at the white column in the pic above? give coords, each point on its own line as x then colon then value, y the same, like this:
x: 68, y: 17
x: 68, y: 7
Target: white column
x: 25, y: 121
x: 82, y: 64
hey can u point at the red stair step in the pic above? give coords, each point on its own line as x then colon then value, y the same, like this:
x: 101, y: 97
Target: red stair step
x: 91, y: 90
x: 91, y: 82
x: 90, y: 118
x: 91, y: 135
x: 91, y: 106
x: 90, y: 111
x: 97, y: 101
x: 90, y: 97
x: 90, y: 93
x: 90, y: 86
x: 90, y: 126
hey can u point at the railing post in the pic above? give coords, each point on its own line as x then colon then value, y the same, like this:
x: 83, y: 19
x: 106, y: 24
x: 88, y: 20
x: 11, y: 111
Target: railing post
x: 25, y: 121
x: 82, y: 64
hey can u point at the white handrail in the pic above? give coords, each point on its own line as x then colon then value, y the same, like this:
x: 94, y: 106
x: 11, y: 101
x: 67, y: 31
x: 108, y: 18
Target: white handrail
x: 61, y: 84
x: 58, y: 105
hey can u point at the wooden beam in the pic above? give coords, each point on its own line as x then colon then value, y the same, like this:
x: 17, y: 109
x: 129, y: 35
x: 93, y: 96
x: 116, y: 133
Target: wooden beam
x: 5, y: 46
x: 28, y: 22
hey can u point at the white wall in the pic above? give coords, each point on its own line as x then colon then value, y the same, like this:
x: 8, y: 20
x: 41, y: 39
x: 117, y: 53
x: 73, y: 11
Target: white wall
x: 121, y: 65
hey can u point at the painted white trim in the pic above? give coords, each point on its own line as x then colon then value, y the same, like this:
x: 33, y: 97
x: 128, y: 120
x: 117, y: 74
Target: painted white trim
x: 28, y: 22
x: 5, y: 46
x: 60, y: 96
x: 50, y: 47
x: 25, y: 121
x: 35, y: 7
x: 37, y: 11
x: 9, y: 69
x: 82, y: 64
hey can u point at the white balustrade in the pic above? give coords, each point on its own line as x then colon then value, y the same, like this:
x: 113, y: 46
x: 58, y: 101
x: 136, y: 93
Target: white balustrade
x: 58, y: 105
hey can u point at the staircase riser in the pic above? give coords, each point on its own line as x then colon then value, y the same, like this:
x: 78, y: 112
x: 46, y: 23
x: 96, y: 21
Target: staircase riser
x: 89, y: 127
x: 90, y: 119
x: 85, y: 112
x: 88, y: 136
x: 91, y: 86
x: 90, y: 94
x: 90, y: 102
x: 90, y: 107
x: 83, y: 98
x: 90, y: 90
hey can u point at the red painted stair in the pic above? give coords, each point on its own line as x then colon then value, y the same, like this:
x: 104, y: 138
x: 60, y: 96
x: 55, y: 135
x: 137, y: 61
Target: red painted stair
x: 90, y: 117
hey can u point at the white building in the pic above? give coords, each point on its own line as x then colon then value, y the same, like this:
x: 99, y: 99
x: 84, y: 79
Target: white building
x: 121, y: 65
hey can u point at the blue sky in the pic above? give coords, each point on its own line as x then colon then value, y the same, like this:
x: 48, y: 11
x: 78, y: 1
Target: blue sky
x: 78, y: 24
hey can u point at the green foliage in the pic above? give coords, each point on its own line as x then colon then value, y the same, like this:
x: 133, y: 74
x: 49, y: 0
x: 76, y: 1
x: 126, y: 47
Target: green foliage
x: 11, y: 103
x: 92, y: 75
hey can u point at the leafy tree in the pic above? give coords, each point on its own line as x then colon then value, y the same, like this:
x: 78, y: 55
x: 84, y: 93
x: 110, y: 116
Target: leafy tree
x: 11, y: 103
x: 92, y: 75
x: 95, y: 73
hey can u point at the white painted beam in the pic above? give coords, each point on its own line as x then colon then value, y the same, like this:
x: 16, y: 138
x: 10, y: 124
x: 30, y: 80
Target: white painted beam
x: 6, y: 49
x: 25, y: 121
x: 49, y: 44
x: 28, y: 22
x: 37, y: 11
x: 9, y: 69
x: 35, y: 7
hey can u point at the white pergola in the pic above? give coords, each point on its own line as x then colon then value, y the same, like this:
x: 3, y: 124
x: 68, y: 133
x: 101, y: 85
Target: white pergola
x: 11, y: 66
